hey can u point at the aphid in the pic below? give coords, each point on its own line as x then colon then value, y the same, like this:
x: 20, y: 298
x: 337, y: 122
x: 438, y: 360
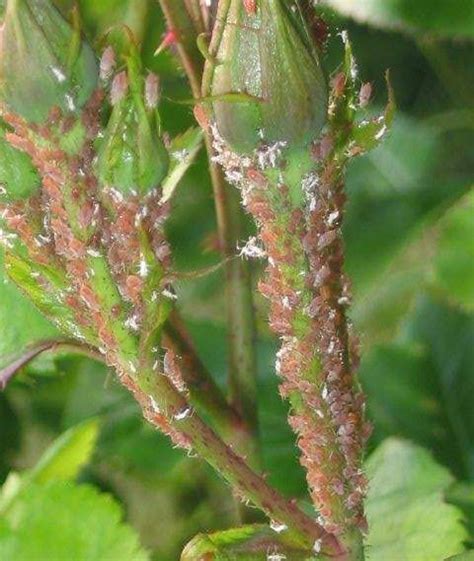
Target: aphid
x: 338, y: 84
x: 119, y: 88
x: 107, y: 63
x: 250, y: 6
x: 365, y: 94
x: 89, y: 297
x: 170, y: 38
x: 257, y: 177
x: 201, y: 116
x: 152, y: 90
x: 134, y: 287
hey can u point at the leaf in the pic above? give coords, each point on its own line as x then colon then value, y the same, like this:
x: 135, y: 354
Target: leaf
x: 15, y: 364
x: 247, y: 543
x: 408, y: 517
x: 183, y: 151
x: 379, y: 310
x: 16, y: 312
x: 451, y: 19
x: 467, y: 556
x: 388, y: 197
x: 9, y: 434
x: 454, y: 262
x: 18, y: 178
x: 461, y: 495
x: 64, y: 459
x: 421, y: 386
x: 369, y: 133
x: 62, y: 521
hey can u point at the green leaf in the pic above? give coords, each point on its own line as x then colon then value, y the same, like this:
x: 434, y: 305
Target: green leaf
x: 408, y: 517
x: 9, y: 434
x: 64, y: 459
x: 183, y: 151
x: 467, y: 556
x: 18, y: 177
x: 439, y: 256
x: 247, y: 543
x: 453, y: 18
x: 16, y: 312
x: 420, y: 386
x: 390, y: 191
x: 461, y: 495
x: 454, y: 262
x: 61, y: 521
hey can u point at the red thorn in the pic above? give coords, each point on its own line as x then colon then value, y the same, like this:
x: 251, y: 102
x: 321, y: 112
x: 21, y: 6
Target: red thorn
x: 170, y: 38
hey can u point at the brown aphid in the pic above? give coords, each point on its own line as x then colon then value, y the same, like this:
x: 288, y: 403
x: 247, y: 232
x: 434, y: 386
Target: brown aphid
x: 134, y: 287
x: 365, y: 94
x: 89, y: 297
x: 250, y: 6
x: 338, y: 84
x: 201, y: 116
x: 257, y: 177
x: 19, y: 142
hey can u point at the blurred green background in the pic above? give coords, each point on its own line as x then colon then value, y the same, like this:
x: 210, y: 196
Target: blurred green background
x: 410, y: 251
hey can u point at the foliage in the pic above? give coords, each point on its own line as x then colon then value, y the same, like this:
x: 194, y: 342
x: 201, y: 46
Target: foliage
x: 78, y: 511
x: 18, y: 313
x: 406, y: 506
x: 454, y: 18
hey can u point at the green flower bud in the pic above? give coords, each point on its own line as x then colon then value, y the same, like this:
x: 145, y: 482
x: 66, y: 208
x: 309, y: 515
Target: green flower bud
x: 18, y: 177
x: 265, y: 80
x: 132, y: 156
x: 43, y: 61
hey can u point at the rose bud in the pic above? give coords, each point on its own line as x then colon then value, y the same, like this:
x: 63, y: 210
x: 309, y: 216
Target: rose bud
x: 132, y: 156
x: 44, y: 63
x: 263, y: 78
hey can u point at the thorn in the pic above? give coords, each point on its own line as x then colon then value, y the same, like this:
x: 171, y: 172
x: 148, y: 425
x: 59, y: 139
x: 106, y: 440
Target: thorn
x: 170, y: 38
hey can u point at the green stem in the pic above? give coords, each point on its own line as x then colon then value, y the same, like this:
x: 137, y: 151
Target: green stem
x: 204, y: 393
x: 240, y: 310
x: 159, y: 397
x: 137, y: 18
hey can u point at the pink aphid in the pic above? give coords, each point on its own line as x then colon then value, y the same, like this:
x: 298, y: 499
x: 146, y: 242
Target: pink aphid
x: 107, y: 63
x: 152, y: 90
x: 119, y: 88
x: 365, y: 94
x: 250, y: 6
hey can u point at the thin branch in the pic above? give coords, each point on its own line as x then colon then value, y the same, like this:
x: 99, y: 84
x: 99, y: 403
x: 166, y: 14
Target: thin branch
x: 204, y: 393
x: 240, y: 310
